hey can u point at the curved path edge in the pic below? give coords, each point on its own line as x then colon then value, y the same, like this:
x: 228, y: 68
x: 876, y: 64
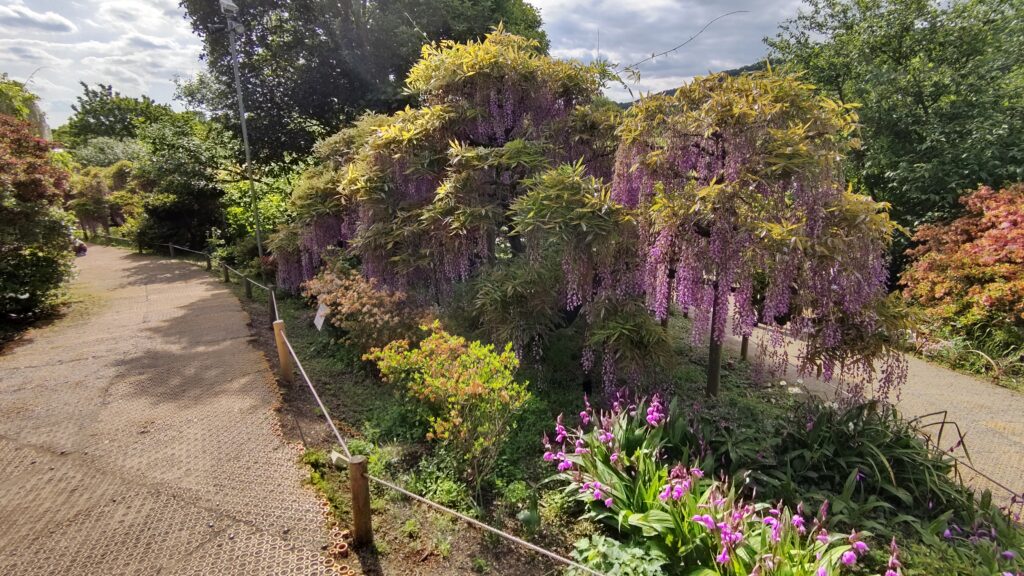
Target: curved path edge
x: 138, y: 436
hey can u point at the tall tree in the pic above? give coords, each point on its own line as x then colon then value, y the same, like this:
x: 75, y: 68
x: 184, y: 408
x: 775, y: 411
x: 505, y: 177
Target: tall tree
x: 307, y: 66
x: 104, y: 112
x: 940, y: 87
x: 179, y: 170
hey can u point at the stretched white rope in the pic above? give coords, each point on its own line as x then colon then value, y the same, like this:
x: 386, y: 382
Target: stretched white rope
x: 421, y: 499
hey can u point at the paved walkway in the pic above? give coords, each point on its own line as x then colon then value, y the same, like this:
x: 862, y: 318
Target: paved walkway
x: 991, y: 418
x: 137, y: 436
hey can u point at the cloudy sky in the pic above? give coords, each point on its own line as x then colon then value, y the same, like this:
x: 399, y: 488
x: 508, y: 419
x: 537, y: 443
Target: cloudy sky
x: 140, y: 46
x: 631, y: 30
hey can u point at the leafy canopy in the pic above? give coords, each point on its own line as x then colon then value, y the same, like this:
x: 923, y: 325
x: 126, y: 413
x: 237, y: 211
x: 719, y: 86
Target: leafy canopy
x: 104, y: 112
x: 308, y: 67
x: 940, y: 87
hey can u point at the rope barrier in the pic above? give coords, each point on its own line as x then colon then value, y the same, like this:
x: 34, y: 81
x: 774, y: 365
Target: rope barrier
x: 487, y: 527
x: 327, y: 415
x: 418, y: 498
x: 203, y: 254
x: 244, y: 277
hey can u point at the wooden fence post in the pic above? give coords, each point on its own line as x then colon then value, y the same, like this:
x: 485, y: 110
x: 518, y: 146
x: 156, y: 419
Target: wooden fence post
x: 171, y: 248
x: 224, y: 268
x: 248, y: 287
x: 270, y: 303
x: 744, y: 343
x: 209, y: 263
x: 362, y: 526
x: 283, y: 356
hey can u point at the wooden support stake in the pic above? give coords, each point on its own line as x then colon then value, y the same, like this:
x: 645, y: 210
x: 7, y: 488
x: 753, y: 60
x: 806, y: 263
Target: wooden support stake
x: 283, y: 357
x: 248, y: 287
x: 224, y: 268
x: 171, y: 247
x: 209, y: 263
x: 744, y: 343
x: 362, y: 527
x: 270, y: 303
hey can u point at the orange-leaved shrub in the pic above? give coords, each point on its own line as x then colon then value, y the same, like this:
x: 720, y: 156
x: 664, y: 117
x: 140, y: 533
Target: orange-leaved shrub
x: 468, y: 388
x: 968, y: 274
x: 369, y: 315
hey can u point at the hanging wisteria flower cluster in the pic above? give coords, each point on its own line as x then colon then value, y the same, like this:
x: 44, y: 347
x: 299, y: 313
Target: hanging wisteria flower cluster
x: 431, y: 187
x: 745, y: 219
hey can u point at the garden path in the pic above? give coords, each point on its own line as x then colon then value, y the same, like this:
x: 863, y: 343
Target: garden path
x: 991, y: 417
x: 138, y: 436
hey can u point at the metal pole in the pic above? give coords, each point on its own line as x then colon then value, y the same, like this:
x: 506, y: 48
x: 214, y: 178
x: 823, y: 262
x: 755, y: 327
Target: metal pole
x: 232, y: 26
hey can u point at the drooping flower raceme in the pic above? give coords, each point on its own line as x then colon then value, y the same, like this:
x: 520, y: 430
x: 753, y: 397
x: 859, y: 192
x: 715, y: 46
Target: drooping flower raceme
x: 737, y: 188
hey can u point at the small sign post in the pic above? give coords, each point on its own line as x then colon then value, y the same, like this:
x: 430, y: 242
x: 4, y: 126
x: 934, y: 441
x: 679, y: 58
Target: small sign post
x: 321, y: 315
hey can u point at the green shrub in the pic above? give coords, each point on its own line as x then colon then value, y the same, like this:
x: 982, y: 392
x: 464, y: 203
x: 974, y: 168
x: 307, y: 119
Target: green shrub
x: 435, y: 479
x: 367, y: 314
x: 469, y: 389
x: 35, y: 234
x: 871, y: 465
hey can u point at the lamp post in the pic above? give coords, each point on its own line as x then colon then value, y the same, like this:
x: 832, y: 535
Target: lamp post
x: 230, y: 10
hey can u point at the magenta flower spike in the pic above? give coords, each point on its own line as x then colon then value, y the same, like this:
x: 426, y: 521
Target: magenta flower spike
x: 849, y: 558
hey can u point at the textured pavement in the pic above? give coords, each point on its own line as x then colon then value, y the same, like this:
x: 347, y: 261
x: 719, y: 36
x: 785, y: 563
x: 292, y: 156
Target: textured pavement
x: 990, y: 417
x: 137, y: 436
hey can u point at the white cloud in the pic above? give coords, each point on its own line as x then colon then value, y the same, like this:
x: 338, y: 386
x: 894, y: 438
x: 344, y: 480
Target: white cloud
x: 629, y: 32
x: 17, y: 16
x: 138, y: 46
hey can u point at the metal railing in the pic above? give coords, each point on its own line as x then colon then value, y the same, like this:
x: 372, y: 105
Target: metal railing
x: 206, y: 255
x: 941, y: 421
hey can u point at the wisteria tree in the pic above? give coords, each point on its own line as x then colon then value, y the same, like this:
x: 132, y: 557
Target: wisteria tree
x: 429, y: 197
x: 430, y: 187
x: 742, y: 212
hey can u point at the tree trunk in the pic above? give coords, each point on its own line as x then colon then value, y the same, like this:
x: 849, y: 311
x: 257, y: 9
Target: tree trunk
x: 744, y: 343
x: 714, y: 352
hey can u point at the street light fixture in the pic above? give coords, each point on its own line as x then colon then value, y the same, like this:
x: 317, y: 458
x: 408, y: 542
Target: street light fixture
x: 230, y: 10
